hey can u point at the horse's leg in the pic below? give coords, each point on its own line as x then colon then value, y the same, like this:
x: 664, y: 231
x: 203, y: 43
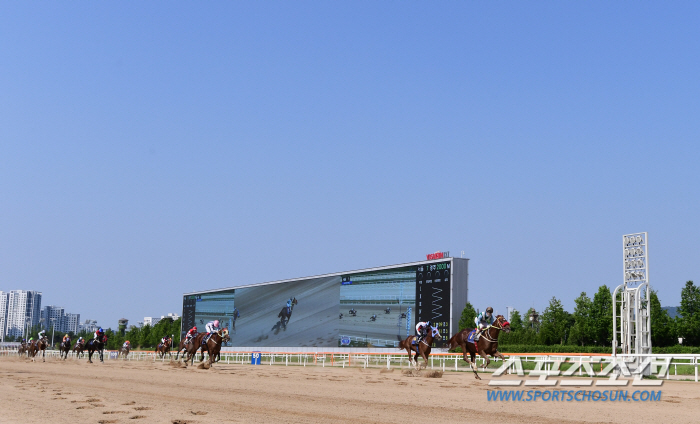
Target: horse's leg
x: 498, y: 354
x: 425, y: 357
x: 473, y: 365
x: 465, y: 351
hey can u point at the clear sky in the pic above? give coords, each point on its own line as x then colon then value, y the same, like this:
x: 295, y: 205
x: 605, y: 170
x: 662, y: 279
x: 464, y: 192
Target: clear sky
x: 148, y: 150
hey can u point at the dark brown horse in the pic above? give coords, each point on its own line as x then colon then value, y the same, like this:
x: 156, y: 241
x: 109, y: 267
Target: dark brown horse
x: 96, y: 345
x: 485, y: 346
x: 213, y: 345
x: 182, y: 347
x: 64, y: 349
x: 191, y: 348
x: 423, y: 348
x: 22, y: 348
x: 164, y: 347
x: 37, y: 346
x: 78, y: 348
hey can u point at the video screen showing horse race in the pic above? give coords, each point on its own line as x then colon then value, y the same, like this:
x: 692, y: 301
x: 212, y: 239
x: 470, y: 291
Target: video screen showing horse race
x: 377, y: 308
x: 291, y: 314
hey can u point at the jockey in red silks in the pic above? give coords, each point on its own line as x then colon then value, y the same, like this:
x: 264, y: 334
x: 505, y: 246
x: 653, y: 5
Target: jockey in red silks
x: 190, y: 334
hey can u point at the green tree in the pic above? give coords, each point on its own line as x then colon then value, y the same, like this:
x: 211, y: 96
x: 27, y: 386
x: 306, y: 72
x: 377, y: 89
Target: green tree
x: 602, y: 316
x: 555, y: 323
x: 516, y: 321
x: 662, y: 328
x: 583, y: 330
x: 144, y: 336
x: 467, y: 318
x: 690, y: 310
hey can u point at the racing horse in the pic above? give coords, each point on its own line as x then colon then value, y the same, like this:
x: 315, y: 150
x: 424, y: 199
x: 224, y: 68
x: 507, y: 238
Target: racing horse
x: 213, y: 345
x: 285, y: 315
x: 387, y: 310
x: 124, y: 350
x: 64, y: 349
x: 37, y: 346
x: 422, y: 349
x: 373, y: 318
x: 485, y: 346
x: 22, y: 348
x: 352, y: 312
x: 164, y: 348
x: 182, y: 347
x: 96, y: 345
x: 191, y: 348
x: 78, y: 349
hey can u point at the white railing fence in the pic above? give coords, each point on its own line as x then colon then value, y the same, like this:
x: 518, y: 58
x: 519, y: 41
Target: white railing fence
x: 688, y: 364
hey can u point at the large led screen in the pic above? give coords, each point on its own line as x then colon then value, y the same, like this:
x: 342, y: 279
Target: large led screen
x: 377, y: 308
x: 364, y: 309
x: 258, y: 316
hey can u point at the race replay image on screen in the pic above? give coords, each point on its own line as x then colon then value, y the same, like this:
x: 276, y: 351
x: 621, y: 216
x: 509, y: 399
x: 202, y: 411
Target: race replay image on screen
x: 365, y: 309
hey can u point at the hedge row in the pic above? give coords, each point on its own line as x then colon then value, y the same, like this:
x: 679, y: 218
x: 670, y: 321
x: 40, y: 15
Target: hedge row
x: 589, y: 349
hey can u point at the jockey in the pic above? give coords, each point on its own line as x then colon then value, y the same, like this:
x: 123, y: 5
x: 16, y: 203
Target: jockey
x: 41, y: 334
x: 81, y: 340
x: 289, y: 306
x: 212, y: 326
x: 126, y: 344
x: 421, y: 330
x: 24, y: 341
x: 484, y: 320
x: 98, y: 333
x: 190, y: 334
x: 66, y: 338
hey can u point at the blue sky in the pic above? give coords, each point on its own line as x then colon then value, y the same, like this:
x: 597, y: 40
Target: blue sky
x: 148, y: 150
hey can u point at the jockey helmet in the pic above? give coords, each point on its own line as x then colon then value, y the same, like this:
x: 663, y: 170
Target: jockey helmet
x: 489, y: 310
x: 127, y: 342
x: 100, y: 330
x: 216, y: 323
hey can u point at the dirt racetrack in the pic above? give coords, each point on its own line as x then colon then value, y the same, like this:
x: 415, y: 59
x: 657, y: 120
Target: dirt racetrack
x: 131, y: 392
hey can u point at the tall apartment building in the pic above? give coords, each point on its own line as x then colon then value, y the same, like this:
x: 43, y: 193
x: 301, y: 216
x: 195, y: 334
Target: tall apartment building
x: 52, y: 317
x: 3, y: 313
x: 23, y: 311
x: 71, y: 323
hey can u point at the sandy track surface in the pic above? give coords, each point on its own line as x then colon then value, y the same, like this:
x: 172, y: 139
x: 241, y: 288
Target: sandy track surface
x: 132, y: 392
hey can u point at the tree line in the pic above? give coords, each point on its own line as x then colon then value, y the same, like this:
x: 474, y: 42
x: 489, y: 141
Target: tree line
x: 591, y: 322
x: 144, y: 337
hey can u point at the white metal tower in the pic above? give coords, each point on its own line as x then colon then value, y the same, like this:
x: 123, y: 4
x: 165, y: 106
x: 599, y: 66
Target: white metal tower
x: 631, y: 319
